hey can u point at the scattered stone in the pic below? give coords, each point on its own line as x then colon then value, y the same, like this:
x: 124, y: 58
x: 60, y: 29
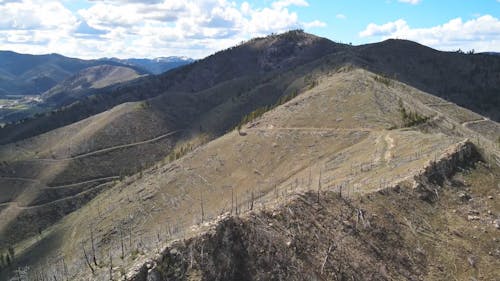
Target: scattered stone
x: 473, y: 212
x: 472, y: 261
x: 473, y: 218
x: 288, y: 243
x: 496, y: 223
x: 149, y: 265
x: 464, y: 196
x: 153, y: 275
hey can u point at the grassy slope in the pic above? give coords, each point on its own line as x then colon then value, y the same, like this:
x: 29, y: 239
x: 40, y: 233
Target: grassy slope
x: 336, y: 128
x: 398, y: 236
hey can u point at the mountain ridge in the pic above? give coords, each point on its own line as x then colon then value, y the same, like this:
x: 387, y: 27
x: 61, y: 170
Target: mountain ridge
x: 265, y: 120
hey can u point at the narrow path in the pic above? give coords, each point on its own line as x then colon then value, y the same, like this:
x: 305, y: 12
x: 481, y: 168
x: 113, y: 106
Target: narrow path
x: 64, y: 185
x: 108, y: 149
x: 439, y: 104
x: 390, y: 145
x: 16, y: 204
x: 108, y: 179
x: 319, y: 129
x: 20, y: 179
x: 475, y: 121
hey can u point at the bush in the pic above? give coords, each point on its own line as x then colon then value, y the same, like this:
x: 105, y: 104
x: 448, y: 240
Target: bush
x: 384, y: 80
x: 411, y: 118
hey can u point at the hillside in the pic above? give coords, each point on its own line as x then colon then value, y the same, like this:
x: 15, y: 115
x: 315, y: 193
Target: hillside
x: 156, y: 65
x: 333, y: 142
x: 83, y: 82
x: 150, y: 165
x: 23, y: 74
x: 467, y: 80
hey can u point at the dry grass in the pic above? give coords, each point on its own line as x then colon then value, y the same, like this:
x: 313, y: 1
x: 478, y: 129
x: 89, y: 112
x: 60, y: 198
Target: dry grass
x: 332, y: 136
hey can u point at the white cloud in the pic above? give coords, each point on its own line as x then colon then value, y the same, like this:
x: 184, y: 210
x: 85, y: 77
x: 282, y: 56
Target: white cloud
x: 481, y: 34
x: 414, y: 2
x: 343, y: 17
x: 285, y: 3
x: 384, y: 29
x: 30, y: 25
x: 147, y: 28
x: 315, y: 23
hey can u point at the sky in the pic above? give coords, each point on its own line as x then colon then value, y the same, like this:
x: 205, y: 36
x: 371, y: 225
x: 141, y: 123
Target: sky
x: 197, y: 28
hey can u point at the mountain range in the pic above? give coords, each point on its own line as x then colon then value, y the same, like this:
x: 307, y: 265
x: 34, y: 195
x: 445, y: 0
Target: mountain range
x: 286, y: 157
x: 156, y: 65
x: 24, y: 74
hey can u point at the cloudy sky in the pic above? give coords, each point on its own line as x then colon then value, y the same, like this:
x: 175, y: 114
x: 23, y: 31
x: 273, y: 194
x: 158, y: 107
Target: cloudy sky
x: 196, y: 28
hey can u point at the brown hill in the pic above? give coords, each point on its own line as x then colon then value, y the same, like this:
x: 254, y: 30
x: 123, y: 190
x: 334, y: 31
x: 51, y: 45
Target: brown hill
x: 327, y: 120
x: 335, y: 132
x: 80, y: 84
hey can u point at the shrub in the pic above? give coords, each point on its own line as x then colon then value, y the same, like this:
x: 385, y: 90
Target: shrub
x: 384, y: 80
x: 411, y: 118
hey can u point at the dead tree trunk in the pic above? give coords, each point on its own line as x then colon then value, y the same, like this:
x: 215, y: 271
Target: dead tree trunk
x: 121, y: 243
x: 319, y: 184
x: 232, y: 199
x: 251, y: 202
x: 87, y: 260
x: 93, y: 247
x: 110, y: 266
x: 201, y: 205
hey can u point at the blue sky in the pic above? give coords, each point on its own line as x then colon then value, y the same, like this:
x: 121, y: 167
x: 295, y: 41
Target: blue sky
x: 196, y: 28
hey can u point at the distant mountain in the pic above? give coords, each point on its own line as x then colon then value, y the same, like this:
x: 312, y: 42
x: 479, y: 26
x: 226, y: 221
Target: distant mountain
x: 156, y: 65
x: 24, y: 74
x: 87, y: 80
x: 492, y: 53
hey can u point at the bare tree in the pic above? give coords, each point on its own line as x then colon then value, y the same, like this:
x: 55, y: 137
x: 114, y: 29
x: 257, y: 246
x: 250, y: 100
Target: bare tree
x: 65, y: 268
x: 110, y: 266
x: 201, y: 205
x: 319, y: 183
x: 121, y: 243
x: 252, y: 199
x: 87, y: 260
x: 232, y: 199
x: 236, y: 201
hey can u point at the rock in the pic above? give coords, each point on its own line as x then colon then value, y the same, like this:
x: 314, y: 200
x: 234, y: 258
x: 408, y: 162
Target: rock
x: 490, y: 197
x: 472, y: 261
x: 463, y: 196
x: 473, y: 218
x: 288, y: 243
x: 154, y: 275
x: 496, y: 223
x: 473, y: 212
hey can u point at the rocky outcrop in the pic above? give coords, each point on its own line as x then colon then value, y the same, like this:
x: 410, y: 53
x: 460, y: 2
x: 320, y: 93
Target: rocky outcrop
x: 435, y: 173
x: 305, y: 240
